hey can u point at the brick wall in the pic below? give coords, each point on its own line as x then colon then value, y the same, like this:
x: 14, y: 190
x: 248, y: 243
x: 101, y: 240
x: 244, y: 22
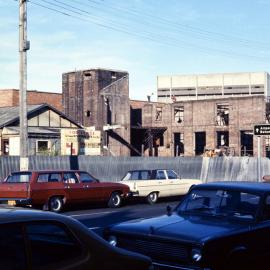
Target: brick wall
x: 10, y: 97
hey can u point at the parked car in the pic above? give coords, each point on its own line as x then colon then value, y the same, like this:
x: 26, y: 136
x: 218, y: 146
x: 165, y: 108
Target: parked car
x: 37, y: 240
x: 57, y: 188
x: 153, y: 184
x: 216, y: 226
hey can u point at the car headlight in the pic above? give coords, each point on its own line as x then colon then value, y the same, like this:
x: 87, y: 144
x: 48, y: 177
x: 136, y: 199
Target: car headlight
x: 196, y: 254
x: 112, y: 240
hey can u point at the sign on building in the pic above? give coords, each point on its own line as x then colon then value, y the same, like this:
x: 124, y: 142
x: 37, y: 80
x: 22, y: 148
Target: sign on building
x: 80, y: 142
x: 260, y: 130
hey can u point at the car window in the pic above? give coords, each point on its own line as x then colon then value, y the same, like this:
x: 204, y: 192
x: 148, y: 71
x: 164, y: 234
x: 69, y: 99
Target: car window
x: 12, y: 246
x: 51, y: 245
x: 22, y: 177
x: 49, y: 177
x: 145, y: 175
x: 135, y: 175
x: 70, y: 178
x: 161, y: 175
x: 86, y: 178
x: 172, y: 175
x: 225, y: 203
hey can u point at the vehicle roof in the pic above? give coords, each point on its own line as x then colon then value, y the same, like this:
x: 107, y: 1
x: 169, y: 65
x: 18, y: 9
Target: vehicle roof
x: 150, y: 170
x: 10, y: 214
x: 261, y: 187
x: 45, y: 171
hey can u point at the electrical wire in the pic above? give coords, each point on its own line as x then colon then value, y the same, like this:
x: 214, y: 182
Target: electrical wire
x: 85, y: 16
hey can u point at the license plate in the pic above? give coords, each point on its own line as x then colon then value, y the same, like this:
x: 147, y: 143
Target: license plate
x: 12, y: 203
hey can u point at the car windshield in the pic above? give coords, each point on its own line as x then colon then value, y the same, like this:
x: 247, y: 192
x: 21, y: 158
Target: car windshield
x: 225, y: 203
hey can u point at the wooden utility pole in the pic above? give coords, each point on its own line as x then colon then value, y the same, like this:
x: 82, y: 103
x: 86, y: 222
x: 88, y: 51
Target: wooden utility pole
x: 24, y: 46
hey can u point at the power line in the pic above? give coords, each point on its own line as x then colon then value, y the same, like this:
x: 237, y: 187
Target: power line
x: 177, y: 24
x: 147, y: 35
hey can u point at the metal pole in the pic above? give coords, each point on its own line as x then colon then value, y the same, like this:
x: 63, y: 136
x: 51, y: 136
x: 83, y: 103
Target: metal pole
x: 23, y: 47
x: 259, y: 158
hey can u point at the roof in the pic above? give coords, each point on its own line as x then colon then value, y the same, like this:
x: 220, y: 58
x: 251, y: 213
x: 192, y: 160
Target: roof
x: 33, y: 130
x: 260, y: 187
x: 10, y: 115
x: 96, y: 69
x: 11, y: 214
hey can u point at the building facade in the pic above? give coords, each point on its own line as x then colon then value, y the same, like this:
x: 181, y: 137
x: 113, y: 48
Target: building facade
x: 100, y: 98
x: 10, y: 97
x: 193, y: 127
x: 45, y: 124
x: 208, y: 86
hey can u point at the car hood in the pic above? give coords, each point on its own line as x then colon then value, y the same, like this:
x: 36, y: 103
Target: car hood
x: 183, y: 228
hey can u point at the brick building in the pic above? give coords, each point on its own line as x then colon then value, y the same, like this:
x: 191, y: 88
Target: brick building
x: 10, y: 97
x: 190, y: 127
x: 100, y: 98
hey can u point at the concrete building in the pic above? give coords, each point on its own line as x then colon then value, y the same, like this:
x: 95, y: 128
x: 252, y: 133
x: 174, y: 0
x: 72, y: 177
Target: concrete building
x: 10, y: 97
x: 173, y: 88
x: 100, y: 98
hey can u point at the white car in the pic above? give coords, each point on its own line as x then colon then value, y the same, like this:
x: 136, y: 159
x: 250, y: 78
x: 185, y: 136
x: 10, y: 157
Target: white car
x: 153, y: 184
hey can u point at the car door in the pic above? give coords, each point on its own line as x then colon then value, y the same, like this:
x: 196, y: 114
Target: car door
x: 45, y: 186
x: 142, y: 182
x: 178, y: 186
x: 92, y: 189
x: 163, y: 183
x: 74, y: 189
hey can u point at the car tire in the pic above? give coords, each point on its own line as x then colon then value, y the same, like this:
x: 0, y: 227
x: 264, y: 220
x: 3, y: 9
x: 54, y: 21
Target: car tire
x: 152, y: 197
x: 56, y: 204
x: 115, y: 200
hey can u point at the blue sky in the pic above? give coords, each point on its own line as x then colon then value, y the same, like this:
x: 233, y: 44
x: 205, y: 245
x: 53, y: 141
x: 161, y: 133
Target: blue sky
x: 144, y: 37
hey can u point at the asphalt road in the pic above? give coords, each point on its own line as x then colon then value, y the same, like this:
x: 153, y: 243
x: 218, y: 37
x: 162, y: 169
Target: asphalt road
x: 97, y: 217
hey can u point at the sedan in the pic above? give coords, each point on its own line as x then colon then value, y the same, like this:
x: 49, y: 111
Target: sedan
x: 38, y: 240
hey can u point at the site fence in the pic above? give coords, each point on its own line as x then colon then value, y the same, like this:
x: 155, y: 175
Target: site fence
x: 114, y: 168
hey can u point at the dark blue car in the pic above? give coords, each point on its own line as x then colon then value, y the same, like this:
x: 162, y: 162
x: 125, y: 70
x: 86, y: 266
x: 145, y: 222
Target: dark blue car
x: 224, y: 225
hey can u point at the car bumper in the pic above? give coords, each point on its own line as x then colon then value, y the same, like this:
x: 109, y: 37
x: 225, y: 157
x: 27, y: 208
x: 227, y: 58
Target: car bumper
x: 14, y: 201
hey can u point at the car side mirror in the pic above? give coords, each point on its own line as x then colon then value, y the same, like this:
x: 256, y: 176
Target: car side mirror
x: 169, y: 210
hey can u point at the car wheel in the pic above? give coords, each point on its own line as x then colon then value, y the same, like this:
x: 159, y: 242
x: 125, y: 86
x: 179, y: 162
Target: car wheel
x: 115, y: 200
x: 152, y: 197
x: 56, y: 204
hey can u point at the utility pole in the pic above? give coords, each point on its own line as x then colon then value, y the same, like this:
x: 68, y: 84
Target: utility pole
x: 24, y: 46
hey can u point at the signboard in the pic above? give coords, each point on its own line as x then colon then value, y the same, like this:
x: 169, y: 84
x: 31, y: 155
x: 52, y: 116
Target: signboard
x: 80, y: 141
x: 261, y: 130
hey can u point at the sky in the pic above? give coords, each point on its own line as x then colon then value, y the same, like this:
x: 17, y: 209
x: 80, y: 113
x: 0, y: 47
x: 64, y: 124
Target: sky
x: 147, y: 38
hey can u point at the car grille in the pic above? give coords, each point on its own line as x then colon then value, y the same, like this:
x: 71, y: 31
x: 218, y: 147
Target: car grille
x: 159, y: 251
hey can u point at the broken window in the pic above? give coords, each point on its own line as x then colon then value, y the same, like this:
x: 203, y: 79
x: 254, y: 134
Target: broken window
x: 158, y: 114
x: 267, y: 116
x: 222, y: 138
x: 178, y: 144
x: 246, y: 143
x: 179, y: 114
x: 267, y: 146
x: 222, y: 115
x: 200, y: 142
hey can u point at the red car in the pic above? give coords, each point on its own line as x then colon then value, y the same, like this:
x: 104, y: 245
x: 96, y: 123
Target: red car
x: 54, y: 189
